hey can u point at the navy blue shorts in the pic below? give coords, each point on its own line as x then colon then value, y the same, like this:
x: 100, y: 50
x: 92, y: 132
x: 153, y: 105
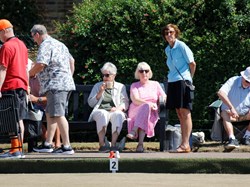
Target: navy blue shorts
x: 179, y: 96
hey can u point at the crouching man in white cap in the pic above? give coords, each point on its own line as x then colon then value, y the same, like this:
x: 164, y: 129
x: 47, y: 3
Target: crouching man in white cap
x: 235, y: 95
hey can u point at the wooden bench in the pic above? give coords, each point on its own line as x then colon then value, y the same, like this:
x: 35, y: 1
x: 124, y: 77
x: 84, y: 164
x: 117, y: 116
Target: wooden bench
x: 78, y: 113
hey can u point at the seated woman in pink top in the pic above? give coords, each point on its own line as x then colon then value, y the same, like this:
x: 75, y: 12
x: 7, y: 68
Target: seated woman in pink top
x: 143, y: 111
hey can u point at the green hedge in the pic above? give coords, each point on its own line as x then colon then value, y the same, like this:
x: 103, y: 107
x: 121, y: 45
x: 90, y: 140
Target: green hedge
x: 126, y: 32
x: 21, y: 13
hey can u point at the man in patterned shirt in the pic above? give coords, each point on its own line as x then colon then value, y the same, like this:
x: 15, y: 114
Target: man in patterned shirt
x: 54, y: 68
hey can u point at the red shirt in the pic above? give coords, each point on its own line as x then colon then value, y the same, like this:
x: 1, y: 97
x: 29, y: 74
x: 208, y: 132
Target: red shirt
x: 14, y: 56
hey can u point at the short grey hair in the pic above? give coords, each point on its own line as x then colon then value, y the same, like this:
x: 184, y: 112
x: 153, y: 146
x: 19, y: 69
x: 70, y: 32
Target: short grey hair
x: 110, y: 67
x: 140, y: 67
x: 40, y: 29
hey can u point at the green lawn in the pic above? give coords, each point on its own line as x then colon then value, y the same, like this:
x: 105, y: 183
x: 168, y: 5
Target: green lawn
x: 210, y: 146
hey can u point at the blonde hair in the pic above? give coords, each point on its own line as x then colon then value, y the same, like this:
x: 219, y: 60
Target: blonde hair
x: 140, y: 66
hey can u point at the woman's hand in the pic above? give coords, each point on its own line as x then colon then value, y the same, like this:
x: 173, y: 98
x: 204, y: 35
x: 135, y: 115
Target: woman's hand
x: 154, y: 106
x: 113, y: 109
x: 103, y: 87
x: 101, y: 90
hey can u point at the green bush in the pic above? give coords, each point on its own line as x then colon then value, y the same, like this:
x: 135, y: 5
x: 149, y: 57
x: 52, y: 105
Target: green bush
x: 126, y: 32
x: 22, y: 14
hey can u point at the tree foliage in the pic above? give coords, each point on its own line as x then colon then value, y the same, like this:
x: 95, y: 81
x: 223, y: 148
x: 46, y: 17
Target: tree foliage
x: 126, y: 32
x: 22, y: 14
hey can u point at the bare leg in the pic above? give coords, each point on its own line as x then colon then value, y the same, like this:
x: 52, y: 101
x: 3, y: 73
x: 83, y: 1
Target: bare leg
x: 51, y: 128
x: 114, y: 138
x: 185, y: 118
x: 133, y: 133
x: 101, y: 136
x: 141, y: 136
x: 57, y: 137
x: 44, y: 131
x: 22, y: 129
x: 64, y: 129
x: 227, y: 123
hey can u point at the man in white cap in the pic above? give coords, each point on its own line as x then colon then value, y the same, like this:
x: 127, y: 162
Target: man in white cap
x: 235, y: 95
x: 14, y: 79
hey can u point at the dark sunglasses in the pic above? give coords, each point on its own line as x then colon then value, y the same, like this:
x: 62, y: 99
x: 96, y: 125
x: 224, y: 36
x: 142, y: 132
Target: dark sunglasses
x: 105, y: 75
x: 169, y: 32
x: 143, y: 70
x: 33, y: 34
x: 247, y: 81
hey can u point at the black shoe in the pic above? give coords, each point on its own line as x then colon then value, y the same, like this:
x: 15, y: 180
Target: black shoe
x: 232, y: 143
x: 64, y: 151
x: 114, y: 148
x: 246, y: 140
x: 104, y: 149
x: 43, y: 148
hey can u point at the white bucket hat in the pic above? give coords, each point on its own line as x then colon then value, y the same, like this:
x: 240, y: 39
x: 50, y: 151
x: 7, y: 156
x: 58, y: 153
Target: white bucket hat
x: 246, y: 74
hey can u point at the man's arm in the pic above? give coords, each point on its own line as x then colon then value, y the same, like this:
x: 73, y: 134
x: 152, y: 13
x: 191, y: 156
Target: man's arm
x: 72, y: 65
x: 223, y: 96
x: 38, y: 67
x: 2, y: 77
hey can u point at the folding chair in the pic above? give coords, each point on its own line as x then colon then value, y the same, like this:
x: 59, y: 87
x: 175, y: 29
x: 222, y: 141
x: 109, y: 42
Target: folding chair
x: 9, y: 119
x: 218, y: 132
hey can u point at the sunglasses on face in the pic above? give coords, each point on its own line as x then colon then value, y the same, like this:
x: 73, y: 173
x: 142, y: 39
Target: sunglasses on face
x: 247, y: 81
x: 106, y: 75
x: 169, y: 32
x: 33, y: 34
x: 143, y: 70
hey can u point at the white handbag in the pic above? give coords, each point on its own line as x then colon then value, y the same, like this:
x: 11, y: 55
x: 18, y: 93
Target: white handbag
x: 34, y: 114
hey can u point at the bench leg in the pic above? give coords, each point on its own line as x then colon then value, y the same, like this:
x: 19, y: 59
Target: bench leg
x: 163, y: 141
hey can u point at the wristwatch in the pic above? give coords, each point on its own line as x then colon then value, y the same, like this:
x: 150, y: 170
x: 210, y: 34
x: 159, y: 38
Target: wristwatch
x: 39, y: 100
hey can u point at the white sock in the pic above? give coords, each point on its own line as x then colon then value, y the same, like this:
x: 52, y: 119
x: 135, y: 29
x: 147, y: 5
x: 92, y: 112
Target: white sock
x: 247, y: 133
x: 46, y: 143
x: 232, y: 137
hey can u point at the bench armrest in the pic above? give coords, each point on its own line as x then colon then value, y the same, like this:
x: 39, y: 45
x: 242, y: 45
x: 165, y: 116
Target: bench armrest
x: 162, y: 103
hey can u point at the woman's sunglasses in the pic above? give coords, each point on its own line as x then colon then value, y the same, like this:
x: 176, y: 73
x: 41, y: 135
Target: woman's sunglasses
x: 143, y: 70
x: 106, y: 75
